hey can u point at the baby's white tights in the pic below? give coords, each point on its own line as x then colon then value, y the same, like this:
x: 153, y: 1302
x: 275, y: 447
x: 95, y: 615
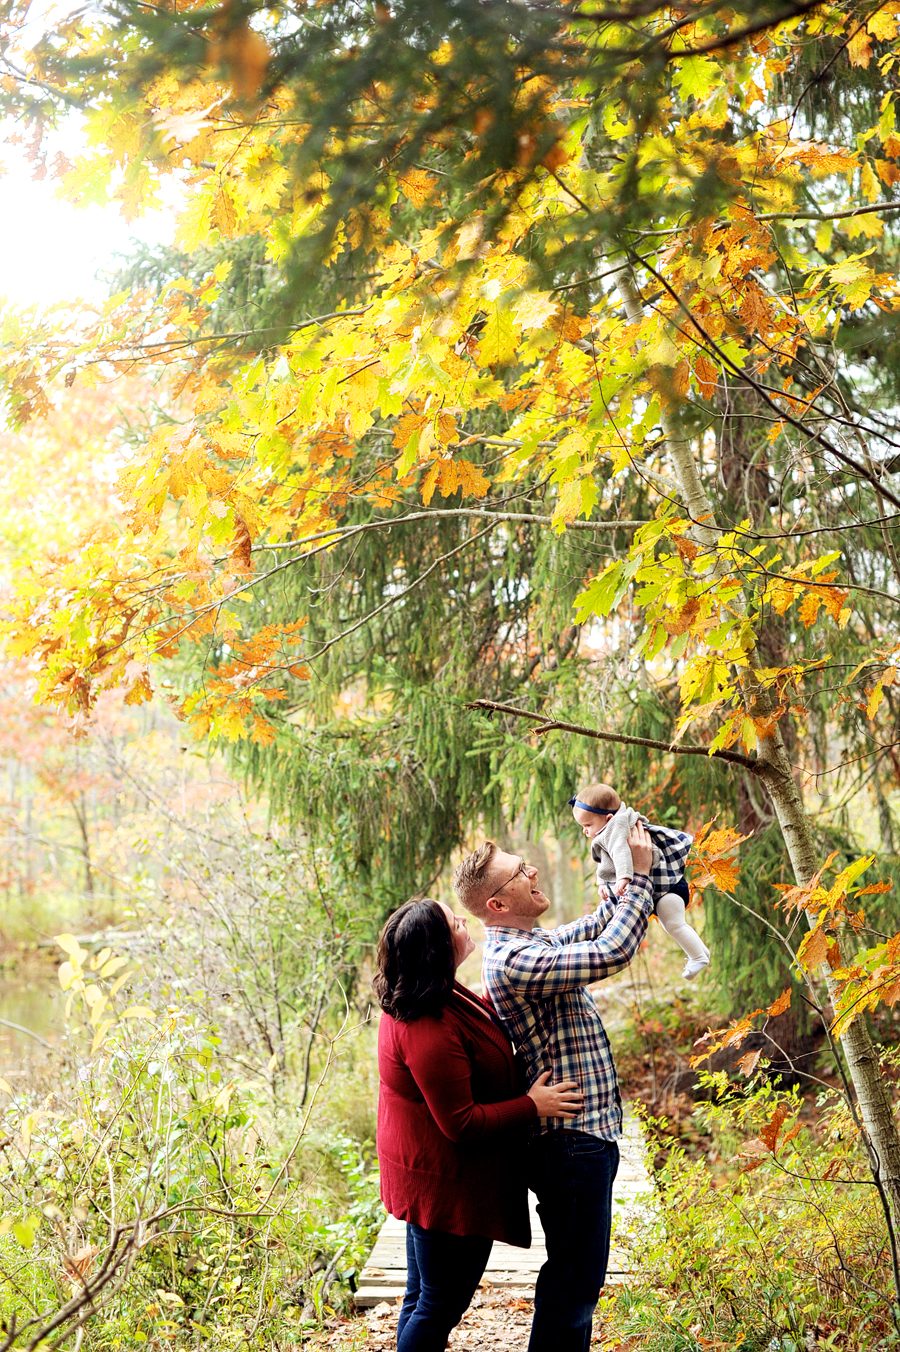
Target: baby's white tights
x: 670, y: 912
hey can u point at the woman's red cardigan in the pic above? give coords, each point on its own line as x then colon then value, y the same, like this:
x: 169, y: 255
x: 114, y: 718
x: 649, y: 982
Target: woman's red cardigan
x: 451, y: 1119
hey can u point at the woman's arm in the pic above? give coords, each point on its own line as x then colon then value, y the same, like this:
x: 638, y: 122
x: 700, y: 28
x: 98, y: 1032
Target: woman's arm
x: 438, y: 1062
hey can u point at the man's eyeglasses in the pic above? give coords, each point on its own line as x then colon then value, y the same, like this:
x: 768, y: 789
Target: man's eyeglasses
x: 523, y: 869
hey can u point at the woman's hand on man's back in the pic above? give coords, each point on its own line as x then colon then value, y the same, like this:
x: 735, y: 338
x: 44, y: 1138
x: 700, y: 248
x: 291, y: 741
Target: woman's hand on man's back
x: 557, y: 1100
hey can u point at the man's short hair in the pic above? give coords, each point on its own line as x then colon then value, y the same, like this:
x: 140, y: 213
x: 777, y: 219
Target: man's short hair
x: 602, y: 796
x: 471, y: 879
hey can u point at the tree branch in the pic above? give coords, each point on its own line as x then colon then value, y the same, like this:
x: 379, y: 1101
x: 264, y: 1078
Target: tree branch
x: 340, y: 533
x: 555, y: 725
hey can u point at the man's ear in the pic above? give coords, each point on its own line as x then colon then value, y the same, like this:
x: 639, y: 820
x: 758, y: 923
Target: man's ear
x: 495, y: 906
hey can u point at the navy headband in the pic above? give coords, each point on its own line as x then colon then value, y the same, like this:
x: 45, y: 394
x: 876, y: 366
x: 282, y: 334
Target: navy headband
x: 586, y: 807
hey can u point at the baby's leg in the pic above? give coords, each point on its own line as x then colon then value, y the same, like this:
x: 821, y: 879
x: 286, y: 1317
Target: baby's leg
x: 670, y: 913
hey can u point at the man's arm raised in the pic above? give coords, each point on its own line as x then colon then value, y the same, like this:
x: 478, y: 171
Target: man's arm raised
x: 539, y: 971
x: 590, y: 927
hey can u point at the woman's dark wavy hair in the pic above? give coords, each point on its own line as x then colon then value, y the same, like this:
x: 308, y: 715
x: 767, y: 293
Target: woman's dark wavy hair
x: 415, y: 962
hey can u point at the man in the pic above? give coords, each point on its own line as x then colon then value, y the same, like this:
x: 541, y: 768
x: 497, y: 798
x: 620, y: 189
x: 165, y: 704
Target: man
x: 535, y: 980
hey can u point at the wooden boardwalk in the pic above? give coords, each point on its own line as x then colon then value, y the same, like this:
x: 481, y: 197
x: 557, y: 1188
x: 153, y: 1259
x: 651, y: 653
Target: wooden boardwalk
x: 513, y: 1270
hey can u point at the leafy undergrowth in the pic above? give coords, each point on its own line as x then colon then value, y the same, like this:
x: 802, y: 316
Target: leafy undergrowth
x: 177, y: 1203
x: 783, y: 1247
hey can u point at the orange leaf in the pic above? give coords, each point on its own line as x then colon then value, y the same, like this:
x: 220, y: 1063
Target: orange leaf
x: 780, y: 1005
x: 406, y: 426
x: 429, y: 483
x: 449, y: 477
x: 769, y: 1133
x: 686, y: 548
x: 747, y: 1063
x: 814, y: 950
x: 809, y: 608
x: 241, y: 545
x: 707, y: 374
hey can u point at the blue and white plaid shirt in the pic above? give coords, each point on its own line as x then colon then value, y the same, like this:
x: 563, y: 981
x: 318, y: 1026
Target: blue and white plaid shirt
x: 536, y: 981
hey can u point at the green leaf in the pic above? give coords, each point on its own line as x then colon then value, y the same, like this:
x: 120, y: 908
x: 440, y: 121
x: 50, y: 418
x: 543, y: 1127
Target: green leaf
x: 25, y: 1230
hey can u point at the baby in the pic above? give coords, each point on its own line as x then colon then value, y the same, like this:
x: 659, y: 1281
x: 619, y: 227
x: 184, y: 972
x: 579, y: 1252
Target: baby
x: 606, y: 822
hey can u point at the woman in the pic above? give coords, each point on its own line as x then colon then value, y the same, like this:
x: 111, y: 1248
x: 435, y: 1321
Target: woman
x: 451, y: 1117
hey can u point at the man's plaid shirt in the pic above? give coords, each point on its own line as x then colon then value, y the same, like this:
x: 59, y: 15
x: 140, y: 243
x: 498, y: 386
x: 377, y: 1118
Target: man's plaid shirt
x: 536, y: 981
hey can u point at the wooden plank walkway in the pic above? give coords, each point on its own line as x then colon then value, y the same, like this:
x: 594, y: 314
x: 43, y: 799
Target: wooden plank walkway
x: 513, y: 1270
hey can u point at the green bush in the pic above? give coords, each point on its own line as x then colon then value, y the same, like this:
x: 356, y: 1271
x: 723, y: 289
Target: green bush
x: 788, y: 1251
x: 183, y: 1184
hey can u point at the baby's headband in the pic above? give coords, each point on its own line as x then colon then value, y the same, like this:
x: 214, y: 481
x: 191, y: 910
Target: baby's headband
x: 586, y: 807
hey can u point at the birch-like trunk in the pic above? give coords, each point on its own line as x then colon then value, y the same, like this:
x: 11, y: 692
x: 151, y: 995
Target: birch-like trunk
x: 872, y: 1093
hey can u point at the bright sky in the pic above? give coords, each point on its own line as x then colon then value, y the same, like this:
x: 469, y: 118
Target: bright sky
x: 52, y: 251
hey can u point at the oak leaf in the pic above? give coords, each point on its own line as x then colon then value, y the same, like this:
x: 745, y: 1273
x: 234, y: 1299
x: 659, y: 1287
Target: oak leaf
x: 780, y: 1005
x: 769, y: 1133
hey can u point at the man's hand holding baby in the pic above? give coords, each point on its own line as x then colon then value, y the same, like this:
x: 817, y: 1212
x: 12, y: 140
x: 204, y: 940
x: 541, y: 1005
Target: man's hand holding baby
x: 641, y: 847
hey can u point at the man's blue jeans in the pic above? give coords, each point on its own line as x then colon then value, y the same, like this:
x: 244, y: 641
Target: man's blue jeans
x: 442, y: 1273
x: 572, y: 1174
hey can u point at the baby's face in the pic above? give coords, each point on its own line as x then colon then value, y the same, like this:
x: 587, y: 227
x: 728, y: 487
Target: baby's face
x: 591, y: 823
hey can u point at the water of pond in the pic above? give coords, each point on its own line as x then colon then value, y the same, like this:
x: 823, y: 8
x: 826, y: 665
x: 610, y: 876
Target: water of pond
x: 29, y: 996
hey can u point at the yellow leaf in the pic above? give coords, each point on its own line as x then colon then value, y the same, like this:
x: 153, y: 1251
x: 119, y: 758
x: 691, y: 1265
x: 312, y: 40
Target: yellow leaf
x: 724, y: 873
x: 748, y: 734
x: 66, y: 974
x: 138, y: 1012
x: 780, y: 595
x: 113, y: 965
x: 417, y: 186
x: 449, y: 477
x: 119, y: 983
x: 569, y: 504
x: 663, y: 351
x: 471, y: 480
x: 876, y: 695
x: 100, y: 1035
x: 534, y: 309
x: 445, y: 426
x: 859, y: 49
x: 499, y: 339
x: 69, y: 944
x: 882, y: 25
x: 224, y: 212
x: 25, y: 1230
x: 5, y: 1086
x: 621, y: 457
x: 869, y: 183
x: 223, y: 1098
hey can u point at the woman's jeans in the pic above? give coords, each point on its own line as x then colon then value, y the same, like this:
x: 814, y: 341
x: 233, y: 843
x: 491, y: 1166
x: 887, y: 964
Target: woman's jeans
x: 572, y: 1174
x: 442, y: 1273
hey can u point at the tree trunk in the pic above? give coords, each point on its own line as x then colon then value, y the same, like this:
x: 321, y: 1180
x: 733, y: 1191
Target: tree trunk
x: 872, y: 1092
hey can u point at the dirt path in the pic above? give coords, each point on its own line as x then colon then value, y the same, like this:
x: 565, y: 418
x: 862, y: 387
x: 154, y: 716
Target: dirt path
x: 493, y: 1322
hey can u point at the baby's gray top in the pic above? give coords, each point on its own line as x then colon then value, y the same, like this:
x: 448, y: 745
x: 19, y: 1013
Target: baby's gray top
x: 610, y: 848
